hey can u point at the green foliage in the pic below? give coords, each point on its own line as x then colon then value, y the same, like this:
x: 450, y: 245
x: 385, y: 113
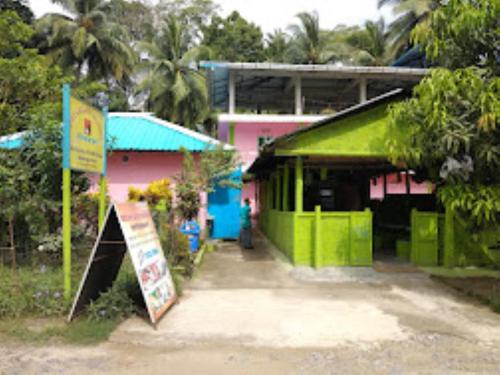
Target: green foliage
x: 27, y: 82
x: 477, y: 202
x: 80, y: 332
x: 462, y: 33
x: 409, y: 14
x: 309, y: 44
x: 216, y: 167
x: 187, y: 189
x: 115, y: 303
x: 177, y: 90
x: 21, y: 7
x: 31, y: 292
x: 193, y: 15
x: 85, y: 212
x: 234, y: 39
x: 135, y: 16
x: 88, y: 38
x: 175, y: 245
x: 158, y: 194
x: 453, y: 115
x: 15, y: 33
x: 450, y: 115
x: 277, y: 45
x: 31, y: 180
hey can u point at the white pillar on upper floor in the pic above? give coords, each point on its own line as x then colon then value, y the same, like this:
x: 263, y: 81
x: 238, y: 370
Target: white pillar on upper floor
x: 362, y: 90
x: 298, y: 96
x: 232, y: 92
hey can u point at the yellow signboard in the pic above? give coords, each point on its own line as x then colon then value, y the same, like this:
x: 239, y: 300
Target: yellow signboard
x: 86, y: 137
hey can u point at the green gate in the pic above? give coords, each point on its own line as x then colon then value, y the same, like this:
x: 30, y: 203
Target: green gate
x: 424, y: 238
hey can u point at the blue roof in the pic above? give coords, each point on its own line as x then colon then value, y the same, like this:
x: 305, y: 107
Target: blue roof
x: 140, y: 132
x: 12, y: 142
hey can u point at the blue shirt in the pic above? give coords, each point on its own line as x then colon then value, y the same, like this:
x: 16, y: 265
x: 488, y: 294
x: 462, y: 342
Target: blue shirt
x: 245, y: 217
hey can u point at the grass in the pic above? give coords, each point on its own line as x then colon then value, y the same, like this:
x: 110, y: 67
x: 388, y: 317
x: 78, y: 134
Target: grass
x: 80, y: 332
x: 481, y: 284
x: 461, y: 272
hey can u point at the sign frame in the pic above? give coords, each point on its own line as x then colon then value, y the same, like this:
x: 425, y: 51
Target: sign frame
x: 128, y: 227
x: 66, y: 180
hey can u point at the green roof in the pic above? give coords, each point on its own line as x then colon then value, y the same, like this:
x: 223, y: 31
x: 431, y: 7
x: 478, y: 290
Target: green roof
x: 140, y: 132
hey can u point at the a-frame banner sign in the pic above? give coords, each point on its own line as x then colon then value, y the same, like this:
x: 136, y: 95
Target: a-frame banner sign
x: 128, y: 227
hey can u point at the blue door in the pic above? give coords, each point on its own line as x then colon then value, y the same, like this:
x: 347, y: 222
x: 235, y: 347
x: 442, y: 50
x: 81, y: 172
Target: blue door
x: 224, y: 207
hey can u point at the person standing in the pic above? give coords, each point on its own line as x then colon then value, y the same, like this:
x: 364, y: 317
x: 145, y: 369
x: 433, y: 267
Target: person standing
x: 246, y: 225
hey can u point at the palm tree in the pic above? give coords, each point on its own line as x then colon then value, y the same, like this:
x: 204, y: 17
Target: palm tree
x: 177, y: 90
x: 277, y: 46
x: 409, y: 14
x: 309, y: 44
x: 85, y: 41
x: 375, y: 50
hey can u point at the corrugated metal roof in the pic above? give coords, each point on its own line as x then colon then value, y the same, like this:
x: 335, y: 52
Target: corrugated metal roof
x: 141, y: 132
x: 12, y: 142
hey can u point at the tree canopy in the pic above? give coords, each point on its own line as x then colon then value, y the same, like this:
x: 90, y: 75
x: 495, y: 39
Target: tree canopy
x: 87, y: 39
x: 234, y: 39
x: 449, y: 129
x: 178, y: 91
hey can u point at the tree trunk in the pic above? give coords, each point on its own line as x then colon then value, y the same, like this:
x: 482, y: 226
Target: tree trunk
x: 12, y: 245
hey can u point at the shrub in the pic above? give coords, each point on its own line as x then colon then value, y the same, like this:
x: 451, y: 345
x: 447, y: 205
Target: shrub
x: 115, y: 303
x: 159, y: 191
x: 86, y: 208
x: 176, y: 248
x: 31, y: 292
x: 135, y: 194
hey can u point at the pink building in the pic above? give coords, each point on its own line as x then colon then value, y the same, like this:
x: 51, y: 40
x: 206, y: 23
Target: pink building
x: 248, y: 132
x: 145, y: 149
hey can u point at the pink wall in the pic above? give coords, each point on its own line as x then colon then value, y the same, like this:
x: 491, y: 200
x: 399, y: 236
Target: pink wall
x: 139, y: 171
x: 395, y: 187
x: 246, y: 141
x: 246, y: 136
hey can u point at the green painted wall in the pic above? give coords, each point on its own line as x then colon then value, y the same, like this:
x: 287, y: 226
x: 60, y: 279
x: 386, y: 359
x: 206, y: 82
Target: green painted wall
x: 364, y: 134
x: 344, y: 238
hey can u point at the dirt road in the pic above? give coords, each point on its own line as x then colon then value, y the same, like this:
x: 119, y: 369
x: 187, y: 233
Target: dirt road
x: 248, y: 313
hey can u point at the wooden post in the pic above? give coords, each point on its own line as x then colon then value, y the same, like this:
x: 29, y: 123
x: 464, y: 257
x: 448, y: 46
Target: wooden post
x: 286, y: 182
x: 299, y: 184
x: 12, y: 244
x: 318, y: 256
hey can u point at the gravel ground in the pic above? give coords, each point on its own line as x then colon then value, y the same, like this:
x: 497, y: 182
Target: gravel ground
x: 248, y: 313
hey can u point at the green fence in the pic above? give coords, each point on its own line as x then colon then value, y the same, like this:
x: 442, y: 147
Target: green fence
x: 321, y: 238
x: 424, y: 238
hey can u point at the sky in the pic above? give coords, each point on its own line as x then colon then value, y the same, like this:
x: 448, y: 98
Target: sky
x: 274, y: 14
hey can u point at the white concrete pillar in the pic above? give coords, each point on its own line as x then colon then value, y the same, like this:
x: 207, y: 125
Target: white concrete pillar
x: 362, y: 90
x: 232, y: 92
x: 298, y: 96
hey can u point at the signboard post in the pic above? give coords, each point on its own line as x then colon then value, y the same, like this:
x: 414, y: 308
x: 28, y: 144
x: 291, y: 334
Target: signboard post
x: 128, y: 227
x: 84, y: 149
